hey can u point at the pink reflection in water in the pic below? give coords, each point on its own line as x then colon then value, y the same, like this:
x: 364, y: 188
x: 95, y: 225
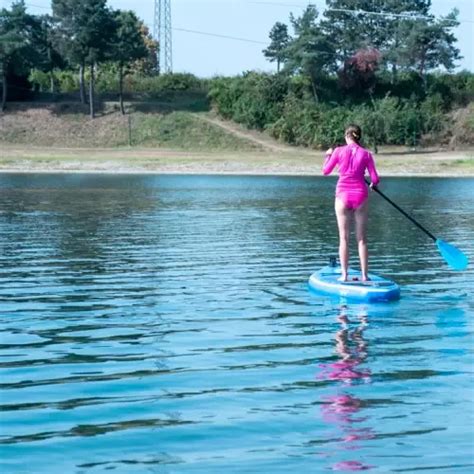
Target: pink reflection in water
x: 345, y: 371
x: 341, y: 409
x: 337, y: 408
x: 351, y: 466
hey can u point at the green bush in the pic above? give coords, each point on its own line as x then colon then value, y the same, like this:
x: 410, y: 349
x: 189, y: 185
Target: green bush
x: 385, y: 121
x: 254, y: 99
x: 40, y: 79
x: 64, y: 81
x: 106, y: 79
x: 68, y: 81
x: 306, y: 123
x: 224, y: 93
x: 433, y: 114
x: 455, y: 89
x: 260, y: 101
x: 156, y: 86
x: 297, y: 122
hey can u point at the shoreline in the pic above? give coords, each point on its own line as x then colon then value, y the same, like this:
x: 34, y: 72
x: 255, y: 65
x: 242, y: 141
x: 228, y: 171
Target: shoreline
x: 180, y: 172
x: 391, y: 162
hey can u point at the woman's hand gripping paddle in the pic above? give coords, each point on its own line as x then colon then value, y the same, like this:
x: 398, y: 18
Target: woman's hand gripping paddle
x: 451, y: 254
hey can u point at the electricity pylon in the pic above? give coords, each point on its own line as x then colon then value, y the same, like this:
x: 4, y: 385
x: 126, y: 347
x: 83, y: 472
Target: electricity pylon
x: 163, y: 33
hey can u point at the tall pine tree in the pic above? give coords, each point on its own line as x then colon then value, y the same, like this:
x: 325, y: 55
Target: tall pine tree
x: 309, y: 52
x: 430, y: 44
x: 279, y: 42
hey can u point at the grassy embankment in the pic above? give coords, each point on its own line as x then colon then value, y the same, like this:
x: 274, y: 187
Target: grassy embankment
x: 179, y: 134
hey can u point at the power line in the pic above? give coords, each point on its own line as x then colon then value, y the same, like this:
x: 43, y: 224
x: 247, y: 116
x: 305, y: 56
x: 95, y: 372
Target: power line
x: 216, y: 35
x: 299, y: 5
x: 406, y: 16
x: 28, y: 5
x: 241, y: 39
x: 340, y: 10
x: 37, y: 6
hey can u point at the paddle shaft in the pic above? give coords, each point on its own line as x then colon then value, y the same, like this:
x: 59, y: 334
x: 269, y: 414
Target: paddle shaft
x: 398, y: 208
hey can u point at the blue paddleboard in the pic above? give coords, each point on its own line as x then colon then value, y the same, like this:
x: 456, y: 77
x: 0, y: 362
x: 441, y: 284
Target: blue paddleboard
x: 377, y: 289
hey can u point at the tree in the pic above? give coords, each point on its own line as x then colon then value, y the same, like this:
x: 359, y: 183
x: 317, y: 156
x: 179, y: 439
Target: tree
x: 148, y: 65
x: 18, y: 52
x: 128, y: 45
x: 358, y: 73
x: 430, y: 44
x: 360, y: 24
x: 68, y: 41
x: 348, y: 28
x: 10, y: 43
x: 279, y: 41
x: 404, y: 11
x: 310, y: 51
x: 86, y: 30
x: 44, y: 39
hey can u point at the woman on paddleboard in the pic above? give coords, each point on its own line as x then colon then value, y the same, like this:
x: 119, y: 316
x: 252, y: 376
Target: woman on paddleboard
x: 352, y: 195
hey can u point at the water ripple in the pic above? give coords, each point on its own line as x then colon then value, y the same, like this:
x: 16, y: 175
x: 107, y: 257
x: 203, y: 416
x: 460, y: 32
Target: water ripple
x: 163, y: 324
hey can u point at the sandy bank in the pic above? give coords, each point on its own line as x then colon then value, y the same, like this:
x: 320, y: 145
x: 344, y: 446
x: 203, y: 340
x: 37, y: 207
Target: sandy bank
x: 390, y: 161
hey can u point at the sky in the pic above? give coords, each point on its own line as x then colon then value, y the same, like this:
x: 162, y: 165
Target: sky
x: 250, y: 21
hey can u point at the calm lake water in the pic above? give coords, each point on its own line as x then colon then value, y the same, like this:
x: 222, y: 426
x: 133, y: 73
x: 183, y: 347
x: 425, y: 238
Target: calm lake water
x: 163, y: 324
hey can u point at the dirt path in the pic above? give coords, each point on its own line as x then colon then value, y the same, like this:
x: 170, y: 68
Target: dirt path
x: 267, y: 143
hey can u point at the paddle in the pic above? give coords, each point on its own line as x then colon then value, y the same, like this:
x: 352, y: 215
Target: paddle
x: 451, y: 254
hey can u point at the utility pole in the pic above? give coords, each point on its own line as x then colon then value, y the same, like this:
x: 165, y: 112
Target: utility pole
x: 163, y: 34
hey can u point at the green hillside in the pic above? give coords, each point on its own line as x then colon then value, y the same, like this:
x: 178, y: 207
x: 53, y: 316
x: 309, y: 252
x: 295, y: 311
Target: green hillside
x: 67, y: 125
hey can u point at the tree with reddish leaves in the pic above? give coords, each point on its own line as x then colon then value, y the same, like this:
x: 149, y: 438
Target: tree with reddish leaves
x: 359, y: 70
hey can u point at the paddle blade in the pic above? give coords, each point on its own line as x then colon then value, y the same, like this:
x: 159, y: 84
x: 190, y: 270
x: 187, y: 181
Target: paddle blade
x: 453, y: 256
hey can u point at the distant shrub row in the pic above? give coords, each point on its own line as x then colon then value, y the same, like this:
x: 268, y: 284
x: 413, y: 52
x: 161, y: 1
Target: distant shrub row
x: 287, y: 107
x: 107, y: 82
x: 388, y: 121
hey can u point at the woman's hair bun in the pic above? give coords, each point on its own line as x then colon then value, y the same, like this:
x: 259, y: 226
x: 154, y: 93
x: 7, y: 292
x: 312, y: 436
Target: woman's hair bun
x: 354, y: 132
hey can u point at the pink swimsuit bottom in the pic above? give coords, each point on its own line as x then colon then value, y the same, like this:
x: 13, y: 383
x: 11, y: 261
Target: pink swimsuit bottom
x: 352, y: 198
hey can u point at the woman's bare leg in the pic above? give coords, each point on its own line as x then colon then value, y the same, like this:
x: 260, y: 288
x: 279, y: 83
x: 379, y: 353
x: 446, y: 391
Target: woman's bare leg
x: 361, y: 218
x: 344, y: 217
